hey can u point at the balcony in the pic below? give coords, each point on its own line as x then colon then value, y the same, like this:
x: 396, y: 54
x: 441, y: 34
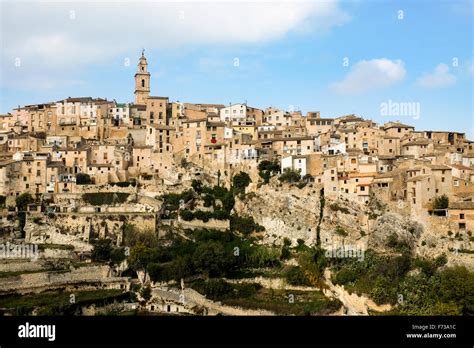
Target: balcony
x: 71, y: 123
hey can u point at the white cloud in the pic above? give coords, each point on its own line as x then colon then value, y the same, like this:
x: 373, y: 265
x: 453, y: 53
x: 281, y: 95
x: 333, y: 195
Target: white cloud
x: 372, y: 74
x: 440, y: 77
x: 83, y: 31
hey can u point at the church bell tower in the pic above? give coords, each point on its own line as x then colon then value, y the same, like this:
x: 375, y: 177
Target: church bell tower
x: 142, y: 81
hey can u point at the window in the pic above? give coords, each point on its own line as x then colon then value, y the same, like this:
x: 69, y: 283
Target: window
x: 461, y: 216
x: 143, y: 82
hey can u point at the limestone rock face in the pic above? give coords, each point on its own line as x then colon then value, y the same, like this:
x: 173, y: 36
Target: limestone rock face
x: 289, y: 212
x: 285, y: 213
x: 393, y: 224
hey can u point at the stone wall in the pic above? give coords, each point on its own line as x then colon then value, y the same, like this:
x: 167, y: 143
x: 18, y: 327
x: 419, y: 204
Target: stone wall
x: 10, y: 265
x: 41, y: 281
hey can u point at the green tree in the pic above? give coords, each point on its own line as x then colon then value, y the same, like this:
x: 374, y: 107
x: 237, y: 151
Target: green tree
x: 290, y: 175
x: 266, y: 169
x: 22, y: 202
x: 104, y: 251
x: 186, y: 215
x: 313, y: 264
x: 241, y: 181
x: 211, y: 259
x: 457, y: 286
x: 140, y: 257
x: 146, y: 293
x: 196, y: 185
x: 101, y: 250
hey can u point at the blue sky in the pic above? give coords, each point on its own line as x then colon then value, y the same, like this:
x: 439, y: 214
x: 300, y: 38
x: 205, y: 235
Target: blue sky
x: 290, y: 54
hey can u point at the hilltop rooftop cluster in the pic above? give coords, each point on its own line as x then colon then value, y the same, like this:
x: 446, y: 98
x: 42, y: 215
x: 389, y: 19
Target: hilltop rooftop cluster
x: 54, y: 147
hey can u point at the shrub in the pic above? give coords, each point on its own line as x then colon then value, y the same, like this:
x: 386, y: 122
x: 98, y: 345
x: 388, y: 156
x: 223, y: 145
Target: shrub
x: 295, y: 276
x: 171, y: 200
x: 335, y: 207
x: 396, y: 244
x: 345, y: 276
x: 220, y: 214
x: 225, y: 196
x: 208, y: 200
x: 340, y: 231
x: 313, y: 264
x: 218, y: 289
x: 203, y: 215
x: 301, y: 185
x: 186, y: 215
x: 245, y: 225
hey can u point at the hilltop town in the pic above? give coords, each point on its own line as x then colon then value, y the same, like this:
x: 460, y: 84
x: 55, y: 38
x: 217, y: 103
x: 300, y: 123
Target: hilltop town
x: 171, y: 207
